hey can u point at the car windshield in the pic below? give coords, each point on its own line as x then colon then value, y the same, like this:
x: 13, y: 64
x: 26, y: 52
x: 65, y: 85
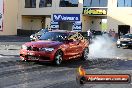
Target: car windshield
x: 54, y: 36
x: 127, y: 36
x: 43, y: 31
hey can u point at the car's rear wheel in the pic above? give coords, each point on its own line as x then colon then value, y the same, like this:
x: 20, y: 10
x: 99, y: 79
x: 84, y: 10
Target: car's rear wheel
x: 85, y: 54
x: 58, y: 57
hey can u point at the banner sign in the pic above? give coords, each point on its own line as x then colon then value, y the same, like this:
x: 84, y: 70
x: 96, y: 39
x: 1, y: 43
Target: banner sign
x: 77, y: 26
x: 82, y: 78
x: 66, y: 17
x: 95, y: 11
x: 54, y: 25
x: 1, y: 14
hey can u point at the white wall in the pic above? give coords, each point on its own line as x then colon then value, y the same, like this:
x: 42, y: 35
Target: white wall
x: 10, y: 17
x: 46, y: 11
x: 27, y: 24
x: 50, y: 10
x: 119, y: 16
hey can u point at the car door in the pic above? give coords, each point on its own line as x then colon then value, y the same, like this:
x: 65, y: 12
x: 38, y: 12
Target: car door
x: 72, y: 48
x: 81, y: 44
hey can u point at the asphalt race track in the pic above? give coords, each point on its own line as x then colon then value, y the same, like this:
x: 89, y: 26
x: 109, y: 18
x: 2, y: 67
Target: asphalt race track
x: 17, y: 74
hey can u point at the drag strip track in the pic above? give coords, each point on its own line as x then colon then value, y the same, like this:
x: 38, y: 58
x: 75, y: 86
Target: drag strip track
x: 17, y: 67
x: 17, y: 74
x: 21, y: 73
x: 56, y: 85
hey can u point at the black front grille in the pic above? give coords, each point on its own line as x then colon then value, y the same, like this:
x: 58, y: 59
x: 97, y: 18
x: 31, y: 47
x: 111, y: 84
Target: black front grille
x: 35, y: 49
x: 29, y: 48
x: 32, y: 48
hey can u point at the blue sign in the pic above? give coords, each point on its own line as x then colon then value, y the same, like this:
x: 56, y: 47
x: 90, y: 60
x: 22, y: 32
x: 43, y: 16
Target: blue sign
x: 54, y: 25
x: 66, y: 17
x: 77, y: 26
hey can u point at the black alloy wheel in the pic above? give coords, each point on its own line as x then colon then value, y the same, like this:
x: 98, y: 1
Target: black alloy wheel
x: 85, y: 54
x: 58, y: 57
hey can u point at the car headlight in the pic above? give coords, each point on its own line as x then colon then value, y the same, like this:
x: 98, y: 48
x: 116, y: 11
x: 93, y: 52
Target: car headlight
x: 46, y: 49
x: 24, y: 47
x: 118, y: 42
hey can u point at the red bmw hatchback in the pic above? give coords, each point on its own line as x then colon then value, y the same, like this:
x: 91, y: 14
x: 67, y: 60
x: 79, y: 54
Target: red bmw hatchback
x: 56, y: 46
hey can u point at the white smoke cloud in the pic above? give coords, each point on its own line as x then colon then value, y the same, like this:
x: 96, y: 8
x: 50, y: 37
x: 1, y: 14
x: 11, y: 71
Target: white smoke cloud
x: 102, y: 47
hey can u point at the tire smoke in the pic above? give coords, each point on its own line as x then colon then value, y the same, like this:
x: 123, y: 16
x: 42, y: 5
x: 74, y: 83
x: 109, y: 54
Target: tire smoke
x: 102, y: 47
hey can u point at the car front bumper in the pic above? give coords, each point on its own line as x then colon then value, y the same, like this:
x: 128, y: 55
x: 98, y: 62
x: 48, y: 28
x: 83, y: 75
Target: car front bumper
x: 36, y: 56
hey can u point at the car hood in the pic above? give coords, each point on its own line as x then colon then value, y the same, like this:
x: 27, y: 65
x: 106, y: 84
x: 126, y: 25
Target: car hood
x: 42, y: 44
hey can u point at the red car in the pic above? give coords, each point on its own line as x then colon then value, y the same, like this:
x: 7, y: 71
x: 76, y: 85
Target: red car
x: 56, y: 46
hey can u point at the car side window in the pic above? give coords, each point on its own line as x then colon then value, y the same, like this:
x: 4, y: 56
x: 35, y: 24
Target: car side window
x: 73, y: 36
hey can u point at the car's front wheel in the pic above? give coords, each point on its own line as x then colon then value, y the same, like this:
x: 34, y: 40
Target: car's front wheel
x: 58, y: 57
x: 85, y: 54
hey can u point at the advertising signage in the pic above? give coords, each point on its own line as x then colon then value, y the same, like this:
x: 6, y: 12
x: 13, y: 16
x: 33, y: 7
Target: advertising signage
x: 95, y: 11
x: 54, y: 25
x: 1, y: 14
x: 77, y: 26
x: 66, y: 17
